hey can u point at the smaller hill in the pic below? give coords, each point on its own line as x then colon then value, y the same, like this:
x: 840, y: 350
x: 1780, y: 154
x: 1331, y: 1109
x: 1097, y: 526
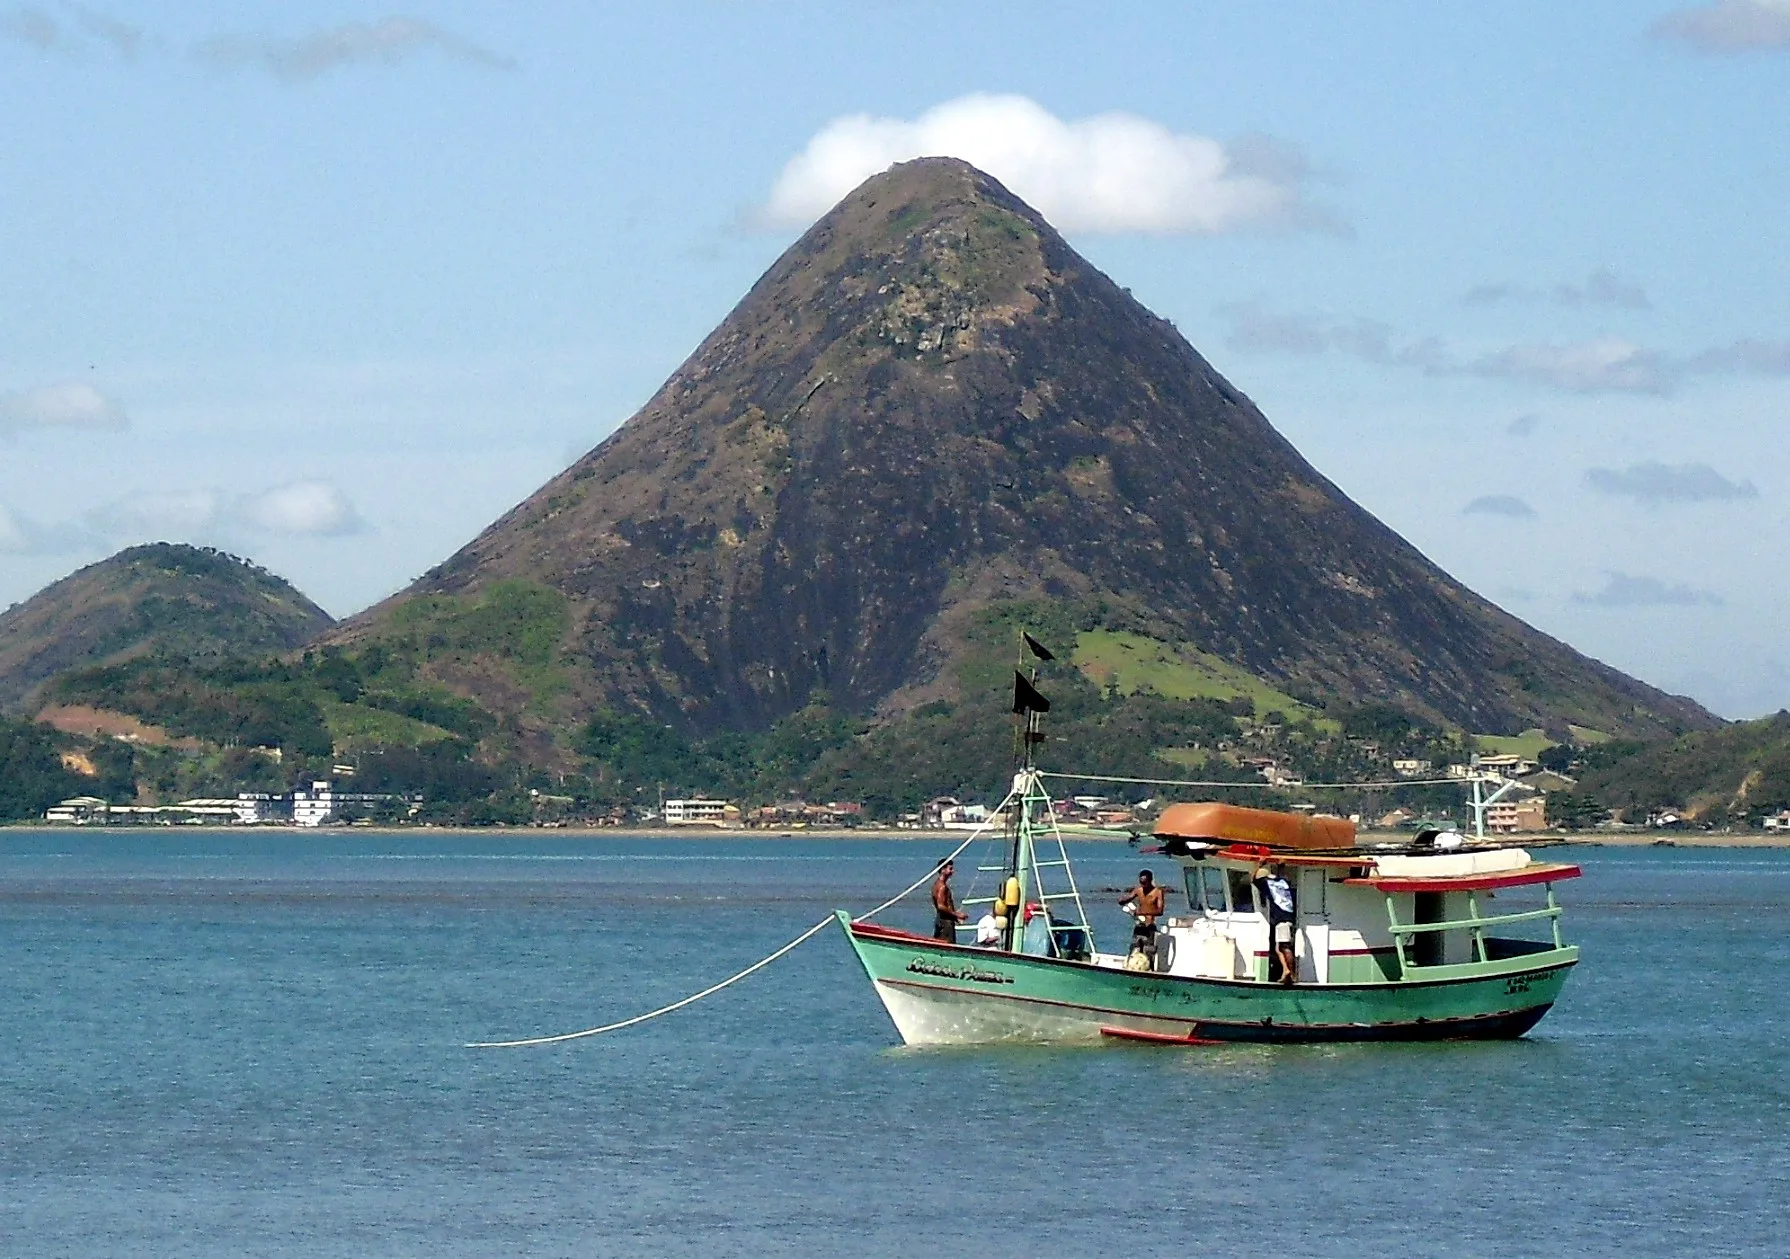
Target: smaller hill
x: 1741, y: 771
x: 163, y: 599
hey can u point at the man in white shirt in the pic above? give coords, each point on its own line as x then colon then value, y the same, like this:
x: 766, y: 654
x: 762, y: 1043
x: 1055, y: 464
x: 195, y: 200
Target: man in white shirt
x: 1277, y: 900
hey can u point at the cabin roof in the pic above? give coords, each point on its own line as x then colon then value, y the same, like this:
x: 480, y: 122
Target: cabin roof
x: 1536, y: 872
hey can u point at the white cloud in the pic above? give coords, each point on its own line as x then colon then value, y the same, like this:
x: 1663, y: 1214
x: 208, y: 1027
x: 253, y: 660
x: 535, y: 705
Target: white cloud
x: 1654, y: 483
x: 300, y: 509
x: 1729, y: 25
x: 1624, y: 590
x: 174, y: 515
x: 21, y: 536
x: 1112, y: 172
x: 70, y: 405
x: 1601, y: 365
x: 305, y: 507
x: 387, y: 41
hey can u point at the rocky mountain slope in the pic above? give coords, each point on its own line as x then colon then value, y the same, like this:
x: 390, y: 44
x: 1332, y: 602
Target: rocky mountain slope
x: 931, y: 412
x: 185, y: 602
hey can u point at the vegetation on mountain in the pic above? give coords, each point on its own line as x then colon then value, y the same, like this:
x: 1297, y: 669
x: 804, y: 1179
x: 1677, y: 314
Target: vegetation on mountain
x: 32, y: 776
x: 180, y: 602
x: 1740, y: 772
x: 928, y: 407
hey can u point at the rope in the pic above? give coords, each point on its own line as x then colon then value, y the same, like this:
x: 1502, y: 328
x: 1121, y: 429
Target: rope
x: 712, y: 989
x: 1263, y: 786
x: 653, y: 1014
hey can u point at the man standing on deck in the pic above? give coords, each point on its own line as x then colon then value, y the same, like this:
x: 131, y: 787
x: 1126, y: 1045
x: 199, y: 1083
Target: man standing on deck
x: 1277, y: 900
x: 945, y: 914
x: 1147, y: 903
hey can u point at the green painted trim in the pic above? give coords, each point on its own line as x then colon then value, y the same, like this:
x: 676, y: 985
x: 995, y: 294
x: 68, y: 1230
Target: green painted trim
x: 1064, y: 989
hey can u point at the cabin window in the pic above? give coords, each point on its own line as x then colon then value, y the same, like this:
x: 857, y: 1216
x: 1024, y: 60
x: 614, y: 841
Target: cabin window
x: 1241, y: 901
x: 1212, y: 883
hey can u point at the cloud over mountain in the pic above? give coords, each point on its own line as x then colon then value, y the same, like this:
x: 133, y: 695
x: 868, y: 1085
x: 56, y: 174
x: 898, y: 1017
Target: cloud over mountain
x: 1113, y: 172
x: 299, y: 509
x: 20, y: 535
x: 1655, y: 483
x: 305, y: 507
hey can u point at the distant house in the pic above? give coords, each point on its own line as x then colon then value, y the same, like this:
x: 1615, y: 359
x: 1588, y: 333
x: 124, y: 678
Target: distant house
x: 1778, y: 821
x: 1507, y: 817
x: 323, y: 803
x: 91, y: 810
x: 952, y: 814
x: 1505, y: 765
x: 803, y: 813
x: 700, y: 812
x: 78, y: 811
x: 1410, y: 767
x: 258, y: 808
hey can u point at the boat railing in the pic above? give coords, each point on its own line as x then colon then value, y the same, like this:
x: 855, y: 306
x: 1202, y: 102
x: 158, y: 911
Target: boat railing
x: 1475, y: 923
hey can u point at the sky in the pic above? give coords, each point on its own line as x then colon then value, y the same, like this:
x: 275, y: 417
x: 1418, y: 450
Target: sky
x: 331, y: 287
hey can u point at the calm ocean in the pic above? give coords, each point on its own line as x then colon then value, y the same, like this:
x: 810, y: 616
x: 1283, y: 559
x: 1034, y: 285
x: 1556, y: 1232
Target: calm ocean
x: 250, y: 1044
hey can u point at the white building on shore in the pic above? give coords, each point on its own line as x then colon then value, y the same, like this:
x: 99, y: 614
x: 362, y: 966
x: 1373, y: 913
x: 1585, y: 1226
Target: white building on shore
x: 701, y: 813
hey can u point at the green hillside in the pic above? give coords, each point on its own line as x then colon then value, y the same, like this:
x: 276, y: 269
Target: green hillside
x: 180, y: 602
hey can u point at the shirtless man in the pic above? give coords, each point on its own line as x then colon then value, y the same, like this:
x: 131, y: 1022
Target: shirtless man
x: 1148, y: 903
x: 945, y: 914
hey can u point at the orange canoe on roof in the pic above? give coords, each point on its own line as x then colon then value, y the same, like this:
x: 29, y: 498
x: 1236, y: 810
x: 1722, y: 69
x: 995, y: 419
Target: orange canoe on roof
x: 1232, y: 823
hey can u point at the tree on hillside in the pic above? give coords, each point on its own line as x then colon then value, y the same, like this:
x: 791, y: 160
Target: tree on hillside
x: 32, y: 777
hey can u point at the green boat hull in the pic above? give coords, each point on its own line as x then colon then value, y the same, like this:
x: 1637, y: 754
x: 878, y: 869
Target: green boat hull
x: 943, y: 994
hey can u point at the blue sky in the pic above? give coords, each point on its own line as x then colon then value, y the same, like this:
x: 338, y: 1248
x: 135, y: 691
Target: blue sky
x: 333, y: 286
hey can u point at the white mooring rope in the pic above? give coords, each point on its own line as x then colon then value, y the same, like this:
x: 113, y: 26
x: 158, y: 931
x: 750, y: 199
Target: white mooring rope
x: 760, y: 964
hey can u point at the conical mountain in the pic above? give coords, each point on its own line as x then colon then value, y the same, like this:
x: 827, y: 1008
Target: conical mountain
x: 164, y: 598
x: 931, y: 405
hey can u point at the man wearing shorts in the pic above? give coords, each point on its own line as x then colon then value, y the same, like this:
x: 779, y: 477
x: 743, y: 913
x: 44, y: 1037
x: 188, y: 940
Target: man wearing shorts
x: 945, y: 914
x: 1277, y: 899
x: 1146, y: 900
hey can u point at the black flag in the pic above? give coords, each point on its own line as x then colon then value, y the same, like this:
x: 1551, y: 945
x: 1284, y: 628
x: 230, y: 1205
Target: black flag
x: 1038, y: 649
x: 1025, y: 696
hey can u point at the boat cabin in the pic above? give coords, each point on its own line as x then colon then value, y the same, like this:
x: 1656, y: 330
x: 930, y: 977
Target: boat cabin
x: 1361, y: 915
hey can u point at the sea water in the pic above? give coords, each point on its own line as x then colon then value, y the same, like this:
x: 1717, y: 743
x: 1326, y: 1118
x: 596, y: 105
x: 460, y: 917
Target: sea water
x: 251, y: 1043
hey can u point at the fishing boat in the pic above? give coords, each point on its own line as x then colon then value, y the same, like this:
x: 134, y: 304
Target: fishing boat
x: 1390, y: 942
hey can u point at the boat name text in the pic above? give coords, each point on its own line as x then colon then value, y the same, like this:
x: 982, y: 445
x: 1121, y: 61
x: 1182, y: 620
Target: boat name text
x: 922, y: 966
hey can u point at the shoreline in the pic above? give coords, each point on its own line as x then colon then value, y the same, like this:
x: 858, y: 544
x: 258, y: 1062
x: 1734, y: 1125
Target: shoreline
x: 1584, y: 839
